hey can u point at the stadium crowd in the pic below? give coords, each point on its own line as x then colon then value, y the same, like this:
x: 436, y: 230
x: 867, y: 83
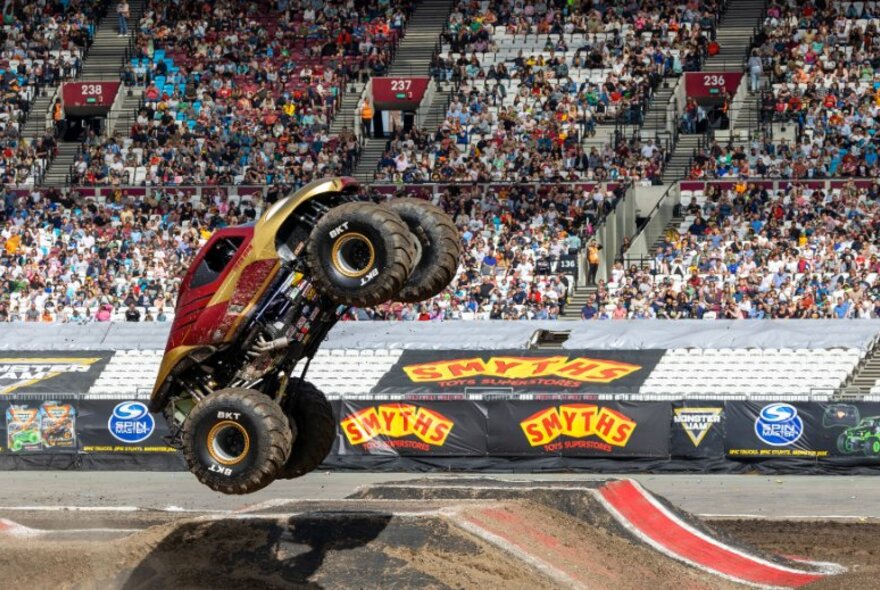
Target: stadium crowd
x: 512, y: 241
x: 244, y: 93
x: 822, y: 61
x: 534, y: 80
x: 755, y: 253
x: 44, y: 43
x: 521, y: 149
x: 67, y: 258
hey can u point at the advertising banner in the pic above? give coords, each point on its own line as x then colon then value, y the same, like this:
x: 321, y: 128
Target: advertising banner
x: 121, y: 427
x: 767, y: 430
x: 845, y: 430
x: 616, y: 429
x: 697, y: 429
x: 50, y: 372
x: 519, y: 371
x: 399, y: 428
x: 34, y: 426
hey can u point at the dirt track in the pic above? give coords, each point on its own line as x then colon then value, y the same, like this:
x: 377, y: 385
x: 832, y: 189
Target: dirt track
x: 343, y: 550
x: 852, y: 544
x: 476, y: 537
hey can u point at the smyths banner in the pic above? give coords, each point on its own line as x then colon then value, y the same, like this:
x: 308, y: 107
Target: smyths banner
x: 619, y: 429
x: 519, y: 371
x: 450, y: 429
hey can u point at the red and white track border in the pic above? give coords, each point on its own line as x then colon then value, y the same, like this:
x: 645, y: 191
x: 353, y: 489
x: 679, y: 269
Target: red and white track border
x: 647, y: 519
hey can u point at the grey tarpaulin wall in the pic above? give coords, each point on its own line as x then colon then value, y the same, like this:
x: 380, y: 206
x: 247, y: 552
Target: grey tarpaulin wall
x: 485, y: 335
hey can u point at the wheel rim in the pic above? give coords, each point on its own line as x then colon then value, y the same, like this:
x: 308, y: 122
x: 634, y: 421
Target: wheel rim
x: 228, y: 443
x: 353, y: 255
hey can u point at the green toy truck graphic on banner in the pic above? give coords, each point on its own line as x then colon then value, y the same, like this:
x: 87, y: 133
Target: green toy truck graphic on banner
x: 35, y: 427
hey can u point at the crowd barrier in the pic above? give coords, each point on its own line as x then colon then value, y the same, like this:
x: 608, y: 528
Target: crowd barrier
x: 483, y: 435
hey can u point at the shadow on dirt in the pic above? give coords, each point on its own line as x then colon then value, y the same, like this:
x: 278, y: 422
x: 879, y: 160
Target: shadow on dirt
x: 256, y: 553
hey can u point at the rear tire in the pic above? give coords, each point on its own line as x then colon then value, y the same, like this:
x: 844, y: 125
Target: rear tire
x: 360, y: 254
x: 440, y: 246
x: 309, y: 409
x: 237, y: 440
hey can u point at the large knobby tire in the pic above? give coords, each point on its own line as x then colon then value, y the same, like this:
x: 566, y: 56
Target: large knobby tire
x: 360, y: 254
x: 237, y: 440
x: 440, y: 248
x: 844, y: 444
x: 309, y: 409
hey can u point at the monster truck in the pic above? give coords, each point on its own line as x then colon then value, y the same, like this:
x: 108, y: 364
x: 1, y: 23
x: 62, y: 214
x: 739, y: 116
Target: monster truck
x: 864, y: 437
x: 255, y: 305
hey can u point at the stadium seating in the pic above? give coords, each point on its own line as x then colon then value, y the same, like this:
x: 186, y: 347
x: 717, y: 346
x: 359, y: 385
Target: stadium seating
x: 822, y: 71
x: 43, y: 46
x: 680, y: 374
x: 260, y: 119
x: 750, y: 252
x: 129, y: 372
x: 750, y: 373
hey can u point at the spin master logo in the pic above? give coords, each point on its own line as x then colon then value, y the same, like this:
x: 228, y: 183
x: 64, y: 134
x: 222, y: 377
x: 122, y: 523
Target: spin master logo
x: 779, y: 425
x: 131, y: 422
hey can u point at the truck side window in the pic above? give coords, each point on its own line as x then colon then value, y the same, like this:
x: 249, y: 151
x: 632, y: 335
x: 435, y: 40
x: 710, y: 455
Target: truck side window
x: 215, y: 261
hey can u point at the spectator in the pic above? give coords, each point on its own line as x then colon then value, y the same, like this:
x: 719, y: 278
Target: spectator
x: 122, y: 14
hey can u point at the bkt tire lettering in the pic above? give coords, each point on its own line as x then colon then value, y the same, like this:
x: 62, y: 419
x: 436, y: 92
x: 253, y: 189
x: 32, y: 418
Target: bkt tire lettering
x: 336, y: 231
x: 221, y: 470
x: 370, y: 276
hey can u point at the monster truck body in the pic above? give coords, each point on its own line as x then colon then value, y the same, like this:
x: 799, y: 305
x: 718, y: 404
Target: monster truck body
x: 259, y: 299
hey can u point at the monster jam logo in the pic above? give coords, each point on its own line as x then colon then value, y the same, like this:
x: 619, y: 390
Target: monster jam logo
x: 396, y: 421
x: 696, y: 422
x: 20, y: 373
x: 508, y: 370
x: 578, y: 421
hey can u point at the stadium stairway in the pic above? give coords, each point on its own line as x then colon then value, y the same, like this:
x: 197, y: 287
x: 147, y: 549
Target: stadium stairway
x: 59, y: 169
x: 103, y: 63
x: 413, y: 56
x: 866, y: 379
x: 371, y: 152
x: 735, y: 35
x: 128, y: 112
x: 655, y: 116
x: 38, y: 116
x: 348, y: 114
x: 576, y: 301
x: 107, y: 53
x: 677, y: 166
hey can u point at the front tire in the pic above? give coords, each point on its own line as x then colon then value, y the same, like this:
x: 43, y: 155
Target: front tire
x: 360, y: 254
x: 440, y: 246
x: 309, y: 409
x: 844, y: 444
x: 237, y: 440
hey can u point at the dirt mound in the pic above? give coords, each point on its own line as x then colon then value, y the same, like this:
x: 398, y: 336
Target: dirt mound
x: 852, y: 544
x: 431, y: 534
